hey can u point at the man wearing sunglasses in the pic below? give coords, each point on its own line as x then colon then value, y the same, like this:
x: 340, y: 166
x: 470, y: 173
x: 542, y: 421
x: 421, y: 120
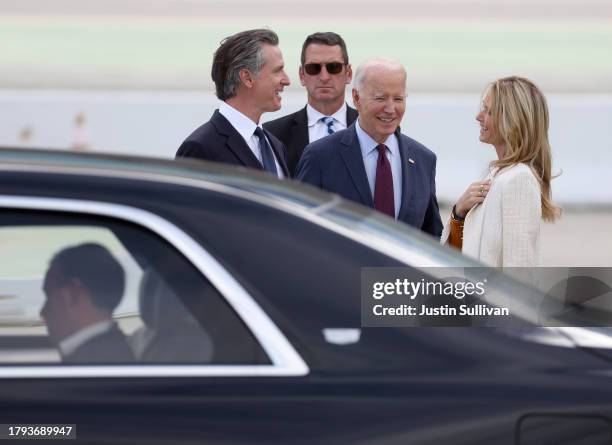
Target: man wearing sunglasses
x: 249, y: 75
x: 371, y: 162
x: 324, y: 72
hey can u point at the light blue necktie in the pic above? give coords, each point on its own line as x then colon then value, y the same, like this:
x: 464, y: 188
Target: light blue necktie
x: 329, y: 121
x: 267, y: 157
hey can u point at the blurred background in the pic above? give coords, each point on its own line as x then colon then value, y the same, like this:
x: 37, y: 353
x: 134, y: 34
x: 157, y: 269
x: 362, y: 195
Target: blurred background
x: 133, y: 77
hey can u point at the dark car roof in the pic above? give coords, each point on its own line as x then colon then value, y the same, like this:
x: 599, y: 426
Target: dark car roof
x: 400, y: 239
x: 371, y: 229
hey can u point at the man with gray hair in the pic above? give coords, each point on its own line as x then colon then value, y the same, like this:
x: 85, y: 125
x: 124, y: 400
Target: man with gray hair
x: 371, y: 162
x: 249, y: 75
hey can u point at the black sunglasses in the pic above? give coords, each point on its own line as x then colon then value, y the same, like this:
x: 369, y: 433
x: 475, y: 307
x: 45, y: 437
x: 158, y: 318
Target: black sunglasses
x: 315, y: 68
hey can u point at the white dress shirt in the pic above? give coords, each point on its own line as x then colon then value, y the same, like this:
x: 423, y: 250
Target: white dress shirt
x: 73, y: 342
x: 317, y: 129
x: 246, y: 128
x: 370, y: 158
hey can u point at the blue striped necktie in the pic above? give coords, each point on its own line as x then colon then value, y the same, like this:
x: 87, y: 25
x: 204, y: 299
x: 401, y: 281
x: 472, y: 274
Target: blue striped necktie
x: 267, y: 157
x: 329, y: 121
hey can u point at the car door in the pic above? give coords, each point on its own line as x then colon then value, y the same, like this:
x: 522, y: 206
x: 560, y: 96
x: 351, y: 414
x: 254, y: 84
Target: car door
x: 272, y: 296
x: 197, y: 351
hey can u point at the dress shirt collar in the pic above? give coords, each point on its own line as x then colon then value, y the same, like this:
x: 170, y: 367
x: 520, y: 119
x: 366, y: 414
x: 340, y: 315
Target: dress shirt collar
x: 314, y: 115
x: 367, y: 144
x: 73, y: 342
x: 242, y: 124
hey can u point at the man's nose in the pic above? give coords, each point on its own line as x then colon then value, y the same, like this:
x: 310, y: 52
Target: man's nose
x: 324, y: 74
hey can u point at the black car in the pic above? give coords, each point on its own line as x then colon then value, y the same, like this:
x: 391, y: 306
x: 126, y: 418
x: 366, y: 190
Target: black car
x: 242, y: 308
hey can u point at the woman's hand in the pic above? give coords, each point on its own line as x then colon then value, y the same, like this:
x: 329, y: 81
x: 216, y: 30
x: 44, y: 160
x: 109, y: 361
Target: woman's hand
x: 475, y: 194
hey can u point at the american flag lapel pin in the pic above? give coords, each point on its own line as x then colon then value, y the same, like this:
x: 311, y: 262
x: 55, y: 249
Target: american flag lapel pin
x: 411, y: 160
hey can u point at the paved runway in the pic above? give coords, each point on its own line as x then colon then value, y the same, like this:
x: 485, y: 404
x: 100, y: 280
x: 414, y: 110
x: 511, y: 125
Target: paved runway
x: 549, y: 10
x: 446, y: 45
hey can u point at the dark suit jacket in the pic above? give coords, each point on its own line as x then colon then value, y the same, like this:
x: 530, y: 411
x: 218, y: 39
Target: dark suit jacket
x: 292, y: 130
x: 218, y: 141
x: 109, y: 347
x: 335, y: 164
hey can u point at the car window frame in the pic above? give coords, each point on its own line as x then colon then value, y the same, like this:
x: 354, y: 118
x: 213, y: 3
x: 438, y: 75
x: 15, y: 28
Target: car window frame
x: 285, y: 360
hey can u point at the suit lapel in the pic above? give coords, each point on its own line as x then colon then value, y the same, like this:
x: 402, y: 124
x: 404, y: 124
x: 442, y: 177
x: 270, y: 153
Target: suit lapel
x: 351, y: 155
x: 280, y: 153
x: 351, y: 115
x: 299, y: 133
x: 235, y: 142
x: 408, y: 176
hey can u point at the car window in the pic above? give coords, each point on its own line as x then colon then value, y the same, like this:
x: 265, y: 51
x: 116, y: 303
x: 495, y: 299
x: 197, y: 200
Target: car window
x: 307, y: 278
x: 77, y: 289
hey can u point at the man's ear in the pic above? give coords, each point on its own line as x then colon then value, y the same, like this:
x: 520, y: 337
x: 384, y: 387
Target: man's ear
x: 246, y: 77
x: 349, y: 74
x: 302, y: 74
x: 356, y: 99
x: 75, y: 291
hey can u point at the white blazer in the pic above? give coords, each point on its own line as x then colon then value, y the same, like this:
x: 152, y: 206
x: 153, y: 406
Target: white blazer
x: 504, y: 231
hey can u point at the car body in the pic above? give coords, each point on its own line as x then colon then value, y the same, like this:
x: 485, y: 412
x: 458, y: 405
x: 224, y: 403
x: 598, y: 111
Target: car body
x: 271, y: 273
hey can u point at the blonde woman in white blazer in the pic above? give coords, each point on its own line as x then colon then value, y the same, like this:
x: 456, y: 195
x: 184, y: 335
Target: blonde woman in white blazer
x: 497, y: 220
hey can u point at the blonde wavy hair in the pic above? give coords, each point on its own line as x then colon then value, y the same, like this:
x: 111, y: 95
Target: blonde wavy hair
x: 520, y: 114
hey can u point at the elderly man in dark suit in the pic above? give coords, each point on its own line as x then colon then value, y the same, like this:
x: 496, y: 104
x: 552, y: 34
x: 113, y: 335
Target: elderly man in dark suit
x: 371, y: 162
x: 325, y: 72
x: 84, y: 285
x: 249, y: 75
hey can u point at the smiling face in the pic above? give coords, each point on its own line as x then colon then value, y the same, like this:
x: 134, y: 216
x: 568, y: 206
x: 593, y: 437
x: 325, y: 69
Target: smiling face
x: 325, y: 88
x: 381, y: 102
x: 270, y: 81
x: 488, y: 128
